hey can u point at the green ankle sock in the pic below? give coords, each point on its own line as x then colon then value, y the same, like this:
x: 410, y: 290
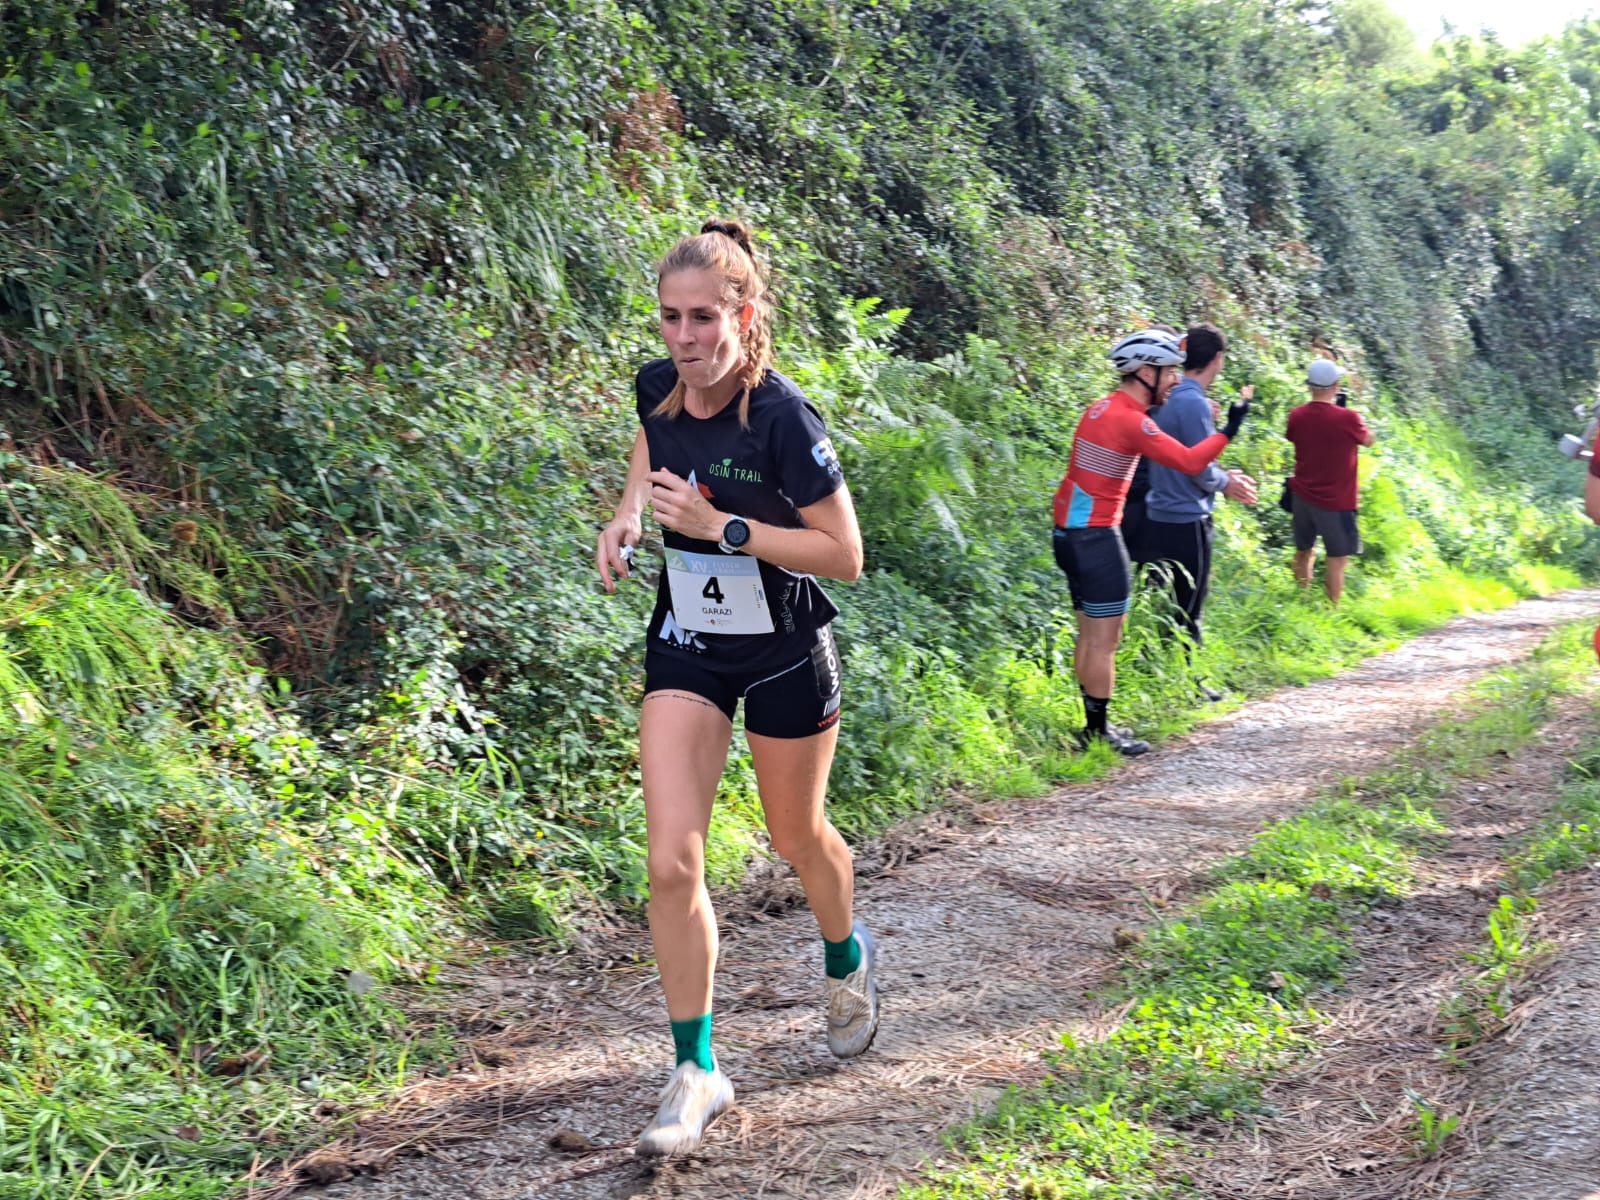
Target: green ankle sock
x: 841, y: 958
x: 692, y: 1040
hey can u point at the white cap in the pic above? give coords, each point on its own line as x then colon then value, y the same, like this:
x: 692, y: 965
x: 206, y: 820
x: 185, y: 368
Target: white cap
x: 1324, y: 372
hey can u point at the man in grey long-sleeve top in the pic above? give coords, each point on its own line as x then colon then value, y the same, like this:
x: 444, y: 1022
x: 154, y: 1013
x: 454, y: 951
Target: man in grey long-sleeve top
x: 1177, y: 535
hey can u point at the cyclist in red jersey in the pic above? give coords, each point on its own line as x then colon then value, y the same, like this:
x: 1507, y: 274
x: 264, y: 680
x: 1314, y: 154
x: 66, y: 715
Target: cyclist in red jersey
x: 1111, y: 438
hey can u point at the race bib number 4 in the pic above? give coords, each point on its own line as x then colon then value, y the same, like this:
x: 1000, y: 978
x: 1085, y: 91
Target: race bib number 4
x: 717, y: 593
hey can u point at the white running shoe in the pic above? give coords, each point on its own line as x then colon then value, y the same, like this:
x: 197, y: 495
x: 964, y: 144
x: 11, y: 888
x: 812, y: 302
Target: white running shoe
x: 691, y: 1100
x: 853, y: 1002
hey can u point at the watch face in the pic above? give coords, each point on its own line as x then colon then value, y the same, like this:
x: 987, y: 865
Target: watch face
x: 735, y: 532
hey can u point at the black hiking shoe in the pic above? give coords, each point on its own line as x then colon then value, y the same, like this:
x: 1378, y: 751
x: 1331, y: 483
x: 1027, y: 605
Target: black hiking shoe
x: 1209, y: 693
x: 1117, y: 737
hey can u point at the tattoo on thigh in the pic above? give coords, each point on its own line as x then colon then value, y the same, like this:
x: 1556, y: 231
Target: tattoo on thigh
x: 701, y: 700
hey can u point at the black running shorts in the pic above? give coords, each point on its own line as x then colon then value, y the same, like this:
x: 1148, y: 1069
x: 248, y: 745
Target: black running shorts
x: 800, y: 700
x: 1339, y: 530
x: 1099, y: 575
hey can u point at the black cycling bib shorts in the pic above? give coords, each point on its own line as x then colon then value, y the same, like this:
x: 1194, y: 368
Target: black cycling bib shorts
x: 1099, y: 575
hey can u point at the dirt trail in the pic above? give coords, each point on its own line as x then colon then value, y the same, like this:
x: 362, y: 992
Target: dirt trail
x: 988, y: 947
x: 1541, y: 1083
x: 1342, y: 1124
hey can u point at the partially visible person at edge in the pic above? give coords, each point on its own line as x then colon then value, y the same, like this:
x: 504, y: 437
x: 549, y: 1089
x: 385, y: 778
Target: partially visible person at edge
x: 1591, y: 486
x: 1171, y: 528
x: 1326, y: 435
x: 1111, y: 437
x: 741, y: 474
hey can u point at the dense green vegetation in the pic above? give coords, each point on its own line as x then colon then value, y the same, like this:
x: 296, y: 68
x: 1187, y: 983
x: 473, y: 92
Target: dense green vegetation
x: 317, y: 328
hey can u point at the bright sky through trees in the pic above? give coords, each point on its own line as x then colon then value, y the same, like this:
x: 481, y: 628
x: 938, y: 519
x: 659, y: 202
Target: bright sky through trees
x: 1515, y: 23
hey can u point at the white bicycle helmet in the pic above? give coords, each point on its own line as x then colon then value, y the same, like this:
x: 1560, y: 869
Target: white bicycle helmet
x: 1149, y: 348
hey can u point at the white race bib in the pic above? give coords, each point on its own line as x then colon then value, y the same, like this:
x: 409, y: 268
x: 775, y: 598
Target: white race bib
x: 718, y: 593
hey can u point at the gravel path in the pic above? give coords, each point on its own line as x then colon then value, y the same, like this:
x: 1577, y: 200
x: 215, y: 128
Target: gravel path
x: 1541, y: 1140
x: 1341, y: 1124
x: 988, y: 946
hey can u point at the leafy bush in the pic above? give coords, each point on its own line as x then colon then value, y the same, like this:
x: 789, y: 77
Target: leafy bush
x: 316, y: 323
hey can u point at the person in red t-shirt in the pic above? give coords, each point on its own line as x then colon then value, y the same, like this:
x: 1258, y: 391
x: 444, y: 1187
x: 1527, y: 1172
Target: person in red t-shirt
x: 1326, y: 436
x: 1591, y: 487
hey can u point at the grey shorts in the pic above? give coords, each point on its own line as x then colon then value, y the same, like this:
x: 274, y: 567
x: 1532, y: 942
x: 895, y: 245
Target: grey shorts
x: 1339, y: 531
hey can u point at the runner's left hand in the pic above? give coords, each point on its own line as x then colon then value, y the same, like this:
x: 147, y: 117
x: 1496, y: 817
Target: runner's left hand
x: 682, y: 509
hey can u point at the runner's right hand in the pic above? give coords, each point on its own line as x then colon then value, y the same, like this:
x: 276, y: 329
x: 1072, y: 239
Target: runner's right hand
x: 622, y: 531
x: 1240, y: 487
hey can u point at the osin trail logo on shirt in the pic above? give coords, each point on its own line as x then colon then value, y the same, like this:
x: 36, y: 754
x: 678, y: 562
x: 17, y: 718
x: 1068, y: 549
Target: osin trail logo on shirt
x: 726, y: 470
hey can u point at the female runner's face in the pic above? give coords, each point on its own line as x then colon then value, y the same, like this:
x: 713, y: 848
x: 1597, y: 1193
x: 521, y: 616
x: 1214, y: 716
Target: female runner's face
x: 702, y: 336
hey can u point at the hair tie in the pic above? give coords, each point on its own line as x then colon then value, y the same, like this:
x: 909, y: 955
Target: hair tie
x: 733, y: 233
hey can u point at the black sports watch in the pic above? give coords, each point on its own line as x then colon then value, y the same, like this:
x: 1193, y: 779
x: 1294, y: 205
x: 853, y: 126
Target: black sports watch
x: 735, y: 535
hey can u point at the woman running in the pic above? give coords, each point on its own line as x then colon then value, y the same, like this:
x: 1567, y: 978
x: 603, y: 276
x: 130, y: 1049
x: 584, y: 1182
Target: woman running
x: 738, y: 467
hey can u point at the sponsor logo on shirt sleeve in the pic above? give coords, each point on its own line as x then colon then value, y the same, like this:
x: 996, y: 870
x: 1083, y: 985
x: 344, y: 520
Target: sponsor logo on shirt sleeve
x: 1149, y: 427
x: 825, y: 458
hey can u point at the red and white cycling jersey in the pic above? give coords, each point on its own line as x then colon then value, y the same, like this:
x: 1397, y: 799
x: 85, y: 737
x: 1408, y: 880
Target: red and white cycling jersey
x: 1111, y: 437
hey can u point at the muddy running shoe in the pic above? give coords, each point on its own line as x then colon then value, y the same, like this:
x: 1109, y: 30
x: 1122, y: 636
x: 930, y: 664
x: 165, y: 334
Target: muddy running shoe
x: 691, y: 1100
x: 853, y: 1002
x: 1118, y: 737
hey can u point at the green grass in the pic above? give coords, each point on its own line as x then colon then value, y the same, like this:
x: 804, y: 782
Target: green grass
x: 176, y: 948
x: 303, y: 669
x: 1566, y: 840
x: 1223, y: 995
x: 1569, y: 837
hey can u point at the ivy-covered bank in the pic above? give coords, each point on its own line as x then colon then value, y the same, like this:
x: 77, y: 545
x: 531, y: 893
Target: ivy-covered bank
x: 317, y: 328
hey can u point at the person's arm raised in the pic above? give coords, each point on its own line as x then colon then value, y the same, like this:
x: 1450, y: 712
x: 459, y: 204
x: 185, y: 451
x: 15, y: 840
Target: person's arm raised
x: 1170, y: 452
x: 1192, y: 423
x: 1364, y: 434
